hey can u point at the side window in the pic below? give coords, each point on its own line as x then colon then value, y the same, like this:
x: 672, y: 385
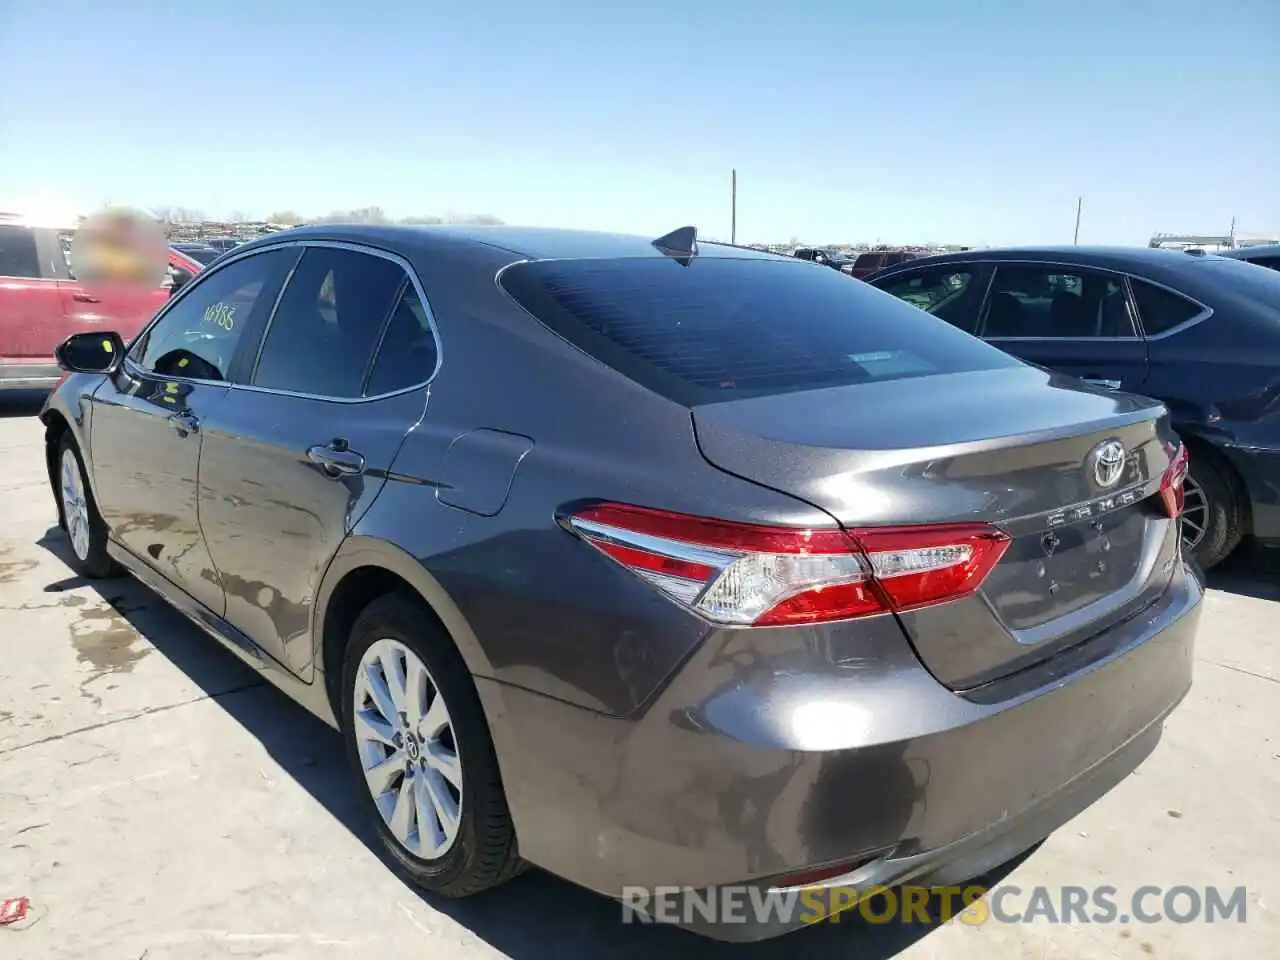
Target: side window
x: 945, y: 292
x: 1160, y: 309
x: 198, y: 337
x: 1272, y: 263
x: 330, y: 317
x: 18, y: 256
x: 407, y: 355
x: 1050, y: 302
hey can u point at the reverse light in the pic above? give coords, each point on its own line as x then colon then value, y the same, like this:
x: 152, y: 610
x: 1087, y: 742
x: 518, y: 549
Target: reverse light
x: 1173, y: 483
x: 753, y: 575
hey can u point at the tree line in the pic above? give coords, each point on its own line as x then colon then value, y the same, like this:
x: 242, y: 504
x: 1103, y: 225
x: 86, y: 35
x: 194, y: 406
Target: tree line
x: 292, y: 218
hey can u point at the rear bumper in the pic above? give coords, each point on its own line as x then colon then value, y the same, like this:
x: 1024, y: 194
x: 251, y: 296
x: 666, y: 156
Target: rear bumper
x: 20, y: 375
x: 1259, y: 467
x: 775, y: 752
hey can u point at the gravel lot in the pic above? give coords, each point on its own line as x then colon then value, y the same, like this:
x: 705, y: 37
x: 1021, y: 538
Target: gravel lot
x: 158, y: 801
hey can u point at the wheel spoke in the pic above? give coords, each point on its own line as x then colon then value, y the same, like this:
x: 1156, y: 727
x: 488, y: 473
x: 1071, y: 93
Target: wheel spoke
x: 393, y: 668
x: 435, y: 720
x: 444, y: 762
x: 402, y: 816
x: 371, y: 726
x: 446, y: 808
x: 380, y: 775
x: 417, y: 687
x: 380, y: 693
x: 431, y: 833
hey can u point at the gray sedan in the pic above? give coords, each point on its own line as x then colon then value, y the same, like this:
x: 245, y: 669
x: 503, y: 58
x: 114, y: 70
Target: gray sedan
x: 652, y: 563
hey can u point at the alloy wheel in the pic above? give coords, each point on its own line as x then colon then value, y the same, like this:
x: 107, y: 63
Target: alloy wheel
x: 404, y: 737
x: 75, y: 506
x: 1195, y: 514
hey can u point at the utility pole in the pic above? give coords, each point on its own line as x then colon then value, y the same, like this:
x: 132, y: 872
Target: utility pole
x: 1079, y: 205
x: 1233, y: 233
x: 733, y: 206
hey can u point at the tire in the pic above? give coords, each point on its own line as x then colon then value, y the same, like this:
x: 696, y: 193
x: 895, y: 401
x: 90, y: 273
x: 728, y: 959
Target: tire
x: 79, y: 516
x: 1213, y: 521
x: 481, y: 854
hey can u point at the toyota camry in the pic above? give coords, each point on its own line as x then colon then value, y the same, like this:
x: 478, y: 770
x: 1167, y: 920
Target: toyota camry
x: 649, y: 562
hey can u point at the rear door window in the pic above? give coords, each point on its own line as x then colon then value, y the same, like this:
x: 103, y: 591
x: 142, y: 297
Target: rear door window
x: 330, y: 317
x: 408, y: 354
x: 723, y: 329
x: 18, y: 255
x: 1050, y: 302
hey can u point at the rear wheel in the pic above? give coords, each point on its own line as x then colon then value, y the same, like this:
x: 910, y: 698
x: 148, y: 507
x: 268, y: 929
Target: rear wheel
x: 1213, y: 514
x: 419, y: 747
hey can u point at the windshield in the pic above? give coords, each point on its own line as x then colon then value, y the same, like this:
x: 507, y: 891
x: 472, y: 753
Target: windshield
x: 723, y: 329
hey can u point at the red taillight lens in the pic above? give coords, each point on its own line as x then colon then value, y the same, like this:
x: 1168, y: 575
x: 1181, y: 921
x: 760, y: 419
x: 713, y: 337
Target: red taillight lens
x: 1172, y: 484
x: 752, y: 575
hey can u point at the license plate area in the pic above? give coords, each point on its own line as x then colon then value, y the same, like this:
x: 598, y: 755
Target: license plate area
x: 1055, y: 572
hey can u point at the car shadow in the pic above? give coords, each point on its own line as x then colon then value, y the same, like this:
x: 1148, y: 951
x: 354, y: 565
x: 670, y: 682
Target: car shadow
x: 532, y: 917
x: 1252, y: 571
x: 21, y: 403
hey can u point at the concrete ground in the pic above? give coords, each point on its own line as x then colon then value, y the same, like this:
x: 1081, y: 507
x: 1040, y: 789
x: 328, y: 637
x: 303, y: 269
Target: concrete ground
x: 157, y: 801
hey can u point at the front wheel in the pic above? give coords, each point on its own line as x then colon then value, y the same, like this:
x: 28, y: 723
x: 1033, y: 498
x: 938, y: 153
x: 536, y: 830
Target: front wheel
x: 80, y: 517
x: 419, y: 747
x: 1212, y: 513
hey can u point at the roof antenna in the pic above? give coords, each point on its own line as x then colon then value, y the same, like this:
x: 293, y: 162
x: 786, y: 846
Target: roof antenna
x: 680, y: 245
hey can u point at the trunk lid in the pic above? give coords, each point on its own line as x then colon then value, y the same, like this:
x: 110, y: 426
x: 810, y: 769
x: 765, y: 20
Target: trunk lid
x: 1015, y: 447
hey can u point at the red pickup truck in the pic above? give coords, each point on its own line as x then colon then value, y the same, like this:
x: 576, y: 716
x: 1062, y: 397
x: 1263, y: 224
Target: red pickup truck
x: 41, y: 304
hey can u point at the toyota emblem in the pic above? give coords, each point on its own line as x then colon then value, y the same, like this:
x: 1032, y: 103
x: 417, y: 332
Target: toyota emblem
x: 1108, y: 460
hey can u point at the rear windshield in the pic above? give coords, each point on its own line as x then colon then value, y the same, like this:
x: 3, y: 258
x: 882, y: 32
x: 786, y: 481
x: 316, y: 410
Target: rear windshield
x: 725, y: 329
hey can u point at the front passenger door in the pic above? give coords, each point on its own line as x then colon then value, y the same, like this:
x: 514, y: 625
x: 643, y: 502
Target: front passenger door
x: 952, y: 292
x: 294, y: 457
x: 147, y: 421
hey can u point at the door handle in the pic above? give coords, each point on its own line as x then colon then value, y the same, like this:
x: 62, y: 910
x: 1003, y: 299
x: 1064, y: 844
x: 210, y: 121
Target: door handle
x: 1099, y: 382
x: 84, y: 298
x: 336, y: 460
x: 185, y: 422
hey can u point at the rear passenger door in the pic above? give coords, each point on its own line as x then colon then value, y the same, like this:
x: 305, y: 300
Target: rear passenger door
x: 31, y: 308
x: 303, y: 443
x: 1071, y: 319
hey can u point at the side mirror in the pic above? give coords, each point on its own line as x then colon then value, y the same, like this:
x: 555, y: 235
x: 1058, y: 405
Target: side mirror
x: 90, y: 352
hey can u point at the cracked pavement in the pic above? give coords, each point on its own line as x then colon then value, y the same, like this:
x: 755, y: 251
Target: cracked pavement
x: 158, y: 800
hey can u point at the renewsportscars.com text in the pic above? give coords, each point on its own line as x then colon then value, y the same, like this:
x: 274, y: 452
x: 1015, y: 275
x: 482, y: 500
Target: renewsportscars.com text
x: 972, y: 904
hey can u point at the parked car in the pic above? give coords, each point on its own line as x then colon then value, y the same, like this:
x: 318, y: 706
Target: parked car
x: 223, y: 244
x: 1264, y: 255
x: 1200, y: 333
x: 828, y: 258
x: 199, y: 251
x: 868, y: 263
x: 41, y: 303
x: 808, y: 558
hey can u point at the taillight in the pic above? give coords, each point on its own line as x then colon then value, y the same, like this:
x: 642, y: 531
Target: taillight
x: 751, y: 575
x: 1173, y: 483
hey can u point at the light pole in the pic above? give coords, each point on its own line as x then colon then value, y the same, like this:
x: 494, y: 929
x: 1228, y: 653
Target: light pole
x: 733, y: 206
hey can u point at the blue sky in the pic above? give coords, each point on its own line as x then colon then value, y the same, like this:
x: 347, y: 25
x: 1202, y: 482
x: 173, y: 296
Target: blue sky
x: 913, y: 121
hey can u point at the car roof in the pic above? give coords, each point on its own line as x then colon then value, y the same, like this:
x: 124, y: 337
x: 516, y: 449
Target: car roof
x: 1258, y: 249
x: 523, y: 243
x: 1139, y: 260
